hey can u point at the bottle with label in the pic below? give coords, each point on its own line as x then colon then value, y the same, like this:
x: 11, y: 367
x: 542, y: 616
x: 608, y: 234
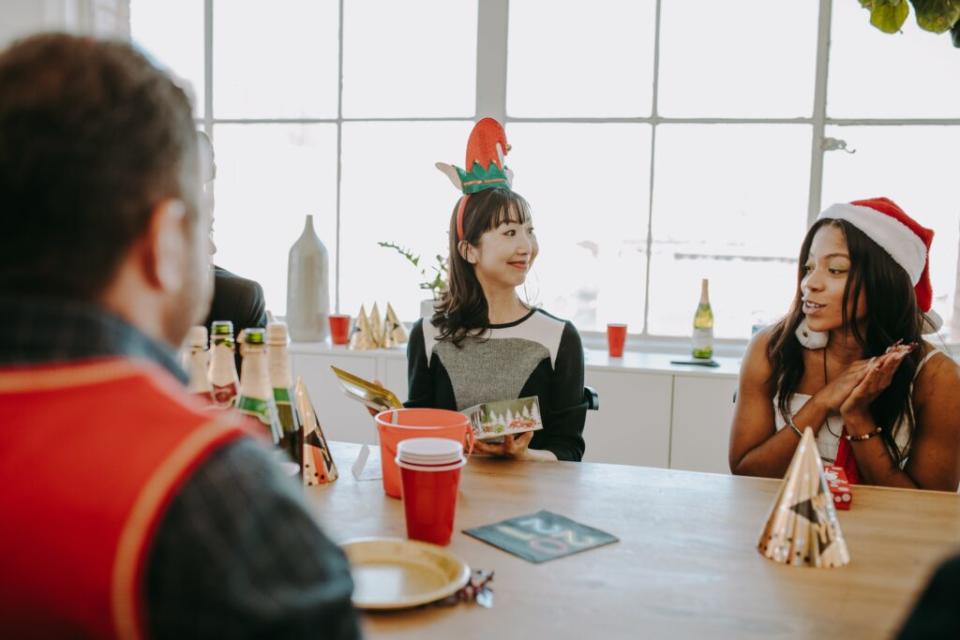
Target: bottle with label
x: 281, y: 378
x: 256, y: 394
x: 703, y: 325
x: 197, y: 364
x: 223, y: 368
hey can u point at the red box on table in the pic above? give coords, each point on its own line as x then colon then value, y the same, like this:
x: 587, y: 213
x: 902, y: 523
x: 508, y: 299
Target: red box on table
x: 839, y: 487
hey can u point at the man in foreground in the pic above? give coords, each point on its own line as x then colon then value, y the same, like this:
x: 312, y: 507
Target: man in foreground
x: 127, y: 510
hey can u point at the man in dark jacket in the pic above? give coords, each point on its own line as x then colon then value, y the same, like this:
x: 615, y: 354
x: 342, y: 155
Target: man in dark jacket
x: 236, y: 299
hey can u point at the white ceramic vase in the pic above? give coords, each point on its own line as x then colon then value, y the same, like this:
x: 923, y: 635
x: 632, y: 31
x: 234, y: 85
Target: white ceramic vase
x: 308, y: 287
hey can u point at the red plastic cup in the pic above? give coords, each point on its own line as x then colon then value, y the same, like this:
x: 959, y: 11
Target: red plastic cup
x: 339, y: 328
x: 397, y: 425
x: 430, y: 474
x: 616, y: 337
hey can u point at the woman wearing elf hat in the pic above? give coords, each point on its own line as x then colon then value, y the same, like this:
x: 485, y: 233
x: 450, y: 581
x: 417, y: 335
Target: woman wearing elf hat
x: 849, y: 360
x: 483, y: 343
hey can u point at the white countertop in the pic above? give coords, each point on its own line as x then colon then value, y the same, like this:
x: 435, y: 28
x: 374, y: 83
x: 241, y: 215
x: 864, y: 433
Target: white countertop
x: 631, y: 362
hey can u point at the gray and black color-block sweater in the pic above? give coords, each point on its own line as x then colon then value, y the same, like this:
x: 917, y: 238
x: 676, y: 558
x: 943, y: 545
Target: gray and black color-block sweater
x: 537, y: 355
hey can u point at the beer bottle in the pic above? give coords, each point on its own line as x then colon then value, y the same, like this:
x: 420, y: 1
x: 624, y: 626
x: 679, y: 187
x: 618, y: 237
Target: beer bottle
x: 703, y: 325
x: 223, y: 368
x: 281, y: 378
x: 256, y: 394
x: 198, y: 364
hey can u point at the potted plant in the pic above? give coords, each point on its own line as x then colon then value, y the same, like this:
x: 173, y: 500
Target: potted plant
x: 433, y: 278
x: 937, y: 16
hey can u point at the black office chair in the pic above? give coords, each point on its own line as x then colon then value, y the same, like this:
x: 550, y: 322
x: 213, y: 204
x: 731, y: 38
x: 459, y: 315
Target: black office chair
x: 591, y: 398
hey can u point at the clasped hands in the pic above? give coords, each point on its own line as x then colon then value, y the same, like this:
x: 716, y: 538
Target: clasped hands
x: 861, y: 383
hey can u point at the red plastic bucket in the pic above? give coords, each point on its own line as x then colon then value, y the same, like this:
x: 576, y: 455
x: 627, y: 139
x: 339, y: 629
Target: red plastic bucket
x: 395, y: 425
x: 430, y: 475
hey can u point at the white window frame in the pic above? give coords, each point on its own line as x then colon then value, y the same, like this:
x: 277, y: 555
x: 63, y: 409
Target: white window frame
x: 491, y: 100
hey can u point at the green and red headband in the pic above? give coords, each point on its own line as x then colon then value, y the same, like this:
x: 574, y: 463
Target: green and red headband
x: 486, y: 149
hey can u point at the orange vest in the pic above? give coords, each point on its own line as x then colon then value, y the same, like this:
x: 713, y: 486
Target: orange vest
x: 91, y: 453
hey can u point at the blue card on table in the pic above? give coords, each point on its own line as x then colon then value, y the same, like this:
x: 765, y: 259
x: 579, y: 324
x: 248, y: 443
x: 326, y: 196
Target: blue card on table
x: 541, y: 536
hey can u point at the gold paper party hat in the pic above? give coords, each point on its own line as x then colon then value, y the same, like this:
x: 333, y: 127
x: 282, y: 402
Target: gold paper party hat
x: 360, y: 338
x: 802, y: 528
x: 386, y: 339
x: 318, y: 464
x: 376, y: 326
x: 394, y: 328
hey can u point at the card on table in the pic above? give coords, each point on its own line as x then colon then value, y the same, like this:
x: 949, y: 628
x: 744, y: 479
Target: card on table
x: 542, y: 536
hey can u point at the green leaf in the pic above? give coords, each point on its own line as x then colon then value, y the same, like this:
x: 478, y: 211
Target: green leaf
x: 889, y: 17
x: 937, y: 16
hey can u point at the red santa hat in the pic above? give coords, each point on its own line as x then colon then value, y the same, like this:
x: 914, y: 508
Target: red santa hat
x: 905, y: 239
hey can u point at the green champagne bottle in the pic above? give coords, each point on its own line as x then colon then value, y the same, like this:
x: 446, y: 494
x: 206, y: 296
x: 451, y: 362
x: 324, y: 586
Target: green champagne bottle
x: 281, y: 378
x: 223, y: 368
x: 703, y: 325
x: 256, y: 394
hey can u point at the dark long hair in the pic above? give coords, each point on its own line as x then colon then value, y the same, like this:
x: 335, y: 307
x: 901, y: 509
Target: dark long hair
x: 892, y: 314
x: 462, y: 309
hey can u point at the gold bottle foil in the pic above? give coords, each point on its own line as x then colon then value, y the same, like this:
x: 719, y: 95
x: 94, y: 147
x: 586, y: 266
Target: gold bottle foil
x: 802, y: 529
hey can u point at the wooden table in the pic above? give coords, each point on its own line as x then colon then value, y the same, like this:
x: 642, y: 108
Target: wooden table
x: 686, y: 565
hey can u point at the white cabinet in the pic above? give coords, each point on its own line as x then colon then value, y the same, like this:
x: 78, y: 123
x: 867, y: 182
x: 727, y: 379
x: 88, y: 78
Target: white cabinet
x: 700, y: 424
x: 395, y: 376
x: 633, y: 423
x: 652, y: 413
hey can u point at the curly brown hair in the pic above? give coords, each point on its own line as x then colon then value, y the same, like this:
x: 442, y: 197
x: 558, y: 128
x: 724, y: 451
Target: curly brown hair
x: 92, y: 137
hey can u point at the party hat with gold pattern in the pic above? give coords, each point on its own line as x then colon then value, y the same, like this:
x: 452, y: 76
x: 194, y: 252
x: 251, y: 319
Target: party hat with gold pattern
x: 802, y: 529
x: 393, y: 329
x: 318, y: 464
x: 376, y: 326
x: 360, y: 339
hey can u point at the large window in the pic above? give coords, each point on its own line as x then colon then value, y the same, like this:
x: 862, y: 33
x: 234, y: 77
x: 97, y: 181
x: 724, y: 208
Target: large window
x: 658, y: 142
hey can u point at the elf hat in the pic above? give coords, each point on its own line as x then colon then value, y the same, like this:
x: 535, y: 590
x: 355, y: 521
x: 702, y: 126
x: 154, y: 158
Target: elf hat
x: 902, y: 237
x: 486, y: 149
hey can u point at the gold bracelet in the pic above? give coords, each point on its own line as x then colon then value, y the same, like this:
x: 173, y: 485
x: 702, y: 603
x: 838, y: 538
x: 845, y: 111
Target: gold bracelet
x: 861, y: 438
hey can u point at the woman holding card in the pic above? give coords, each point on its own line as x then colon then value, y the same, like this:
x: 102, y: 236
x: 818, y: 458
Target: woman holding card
x: 849, y: 360
x: 483, y: 344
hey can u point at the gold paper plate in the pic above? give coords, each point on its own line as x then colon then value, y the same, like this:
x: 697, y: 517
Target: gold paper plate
x: 391, y: 573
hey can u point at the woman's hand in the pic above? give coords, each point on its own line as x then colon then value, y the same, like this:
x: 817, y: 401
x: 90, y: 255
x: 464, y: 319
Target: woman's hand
x: 878, y: 377
x: 513, y: 447
x: 835, y: 393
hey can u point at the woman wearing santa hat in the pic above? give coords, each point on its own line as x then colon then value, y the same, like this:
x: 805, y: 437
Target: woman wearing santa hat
x: 849, y: 360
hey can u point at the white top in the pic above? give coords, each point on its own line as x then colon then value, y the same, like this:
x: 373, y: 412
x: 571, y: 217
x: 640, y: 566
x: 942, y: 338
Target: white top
x: 828, y: 437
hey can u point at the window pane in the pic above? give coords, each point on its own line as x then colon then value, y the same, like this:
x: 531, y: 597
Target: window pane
x: 925, y: 186
x: 588, y: 187
x: 409, y: 59
x: 391, y: 192
x: 881, y: 75
x: 754, y: 58
x: 269, y: 177
x: 730, y: 204
x: 588, y: 59
x: 171, y: 32
x: 275, y: 61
